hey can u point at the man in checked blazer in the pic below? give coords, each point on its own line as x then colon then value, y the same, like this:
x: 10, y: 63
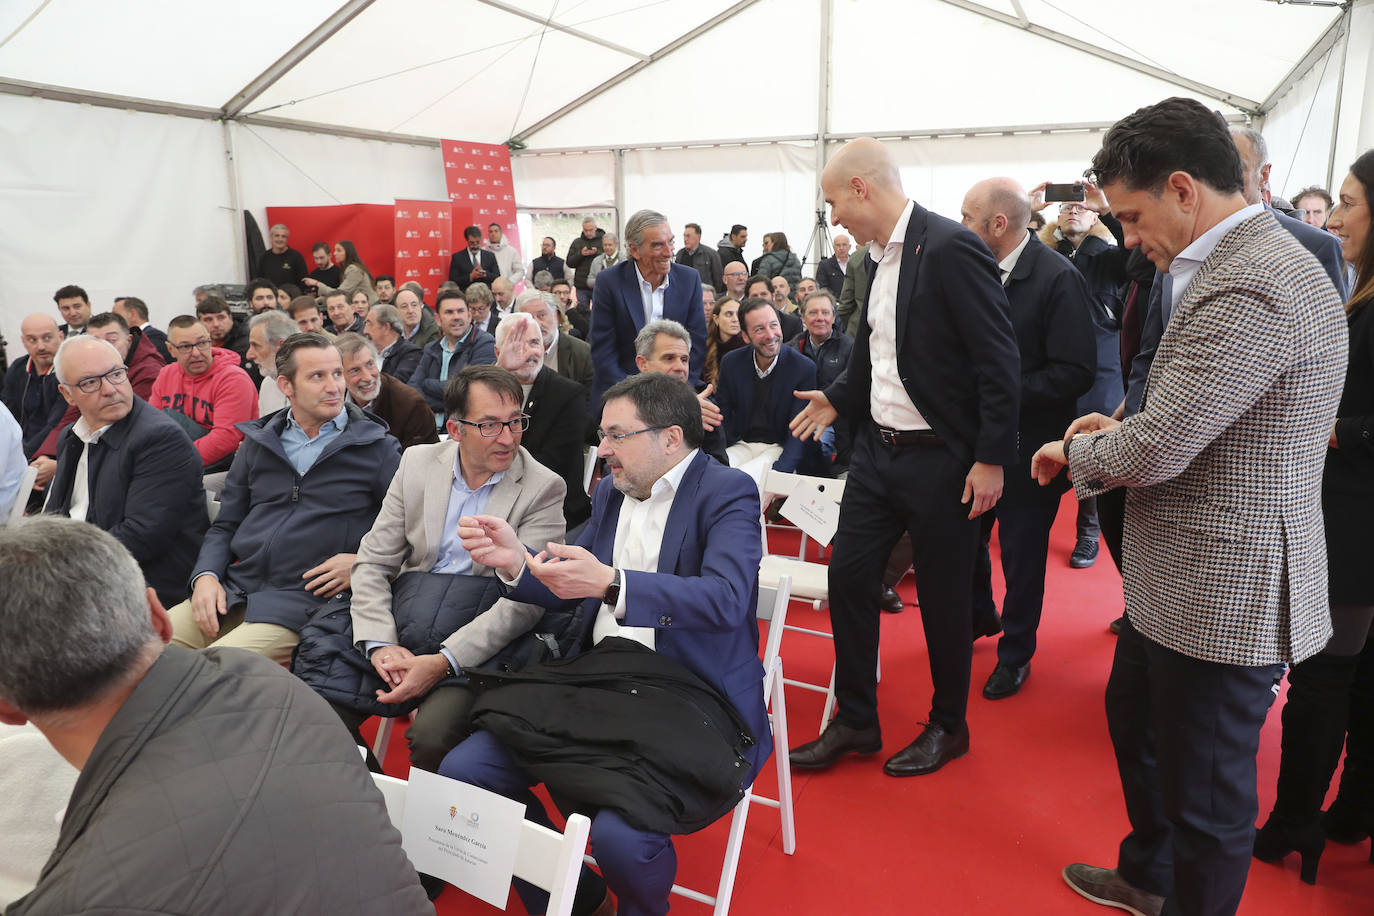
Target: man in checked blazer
x: 1224, y: 552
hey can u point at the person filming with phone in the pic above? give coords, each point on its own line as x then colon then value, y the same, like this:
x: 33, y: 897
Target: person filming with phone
x: 1091, y: 237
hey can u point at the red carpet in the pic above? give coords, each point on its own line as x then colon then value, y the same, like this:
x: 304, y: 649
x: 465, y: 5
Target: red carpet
x: 990, y: 833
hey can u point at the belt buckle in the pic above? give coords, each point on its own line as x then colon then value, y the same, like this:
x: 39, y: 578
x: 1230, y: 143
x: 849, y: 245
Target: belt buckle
x: 887, y: 436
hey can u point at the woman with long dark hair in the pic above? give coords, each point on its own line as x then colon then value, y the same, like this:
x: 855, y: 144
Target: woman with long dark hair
x: 722, y: 336
x: 356, y: 276
x: 1333, y: 691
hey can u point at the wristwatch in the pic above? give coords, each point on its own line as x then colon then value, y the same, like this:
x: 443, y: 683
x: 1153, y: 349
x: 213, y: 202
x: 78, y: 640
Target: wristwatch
x: 612, y: 591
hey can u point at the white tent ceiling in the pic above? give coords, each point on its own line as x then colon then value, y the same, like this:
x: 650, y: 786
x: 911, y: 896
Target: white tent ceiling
x: 121, y: 118
x: 490, y: 70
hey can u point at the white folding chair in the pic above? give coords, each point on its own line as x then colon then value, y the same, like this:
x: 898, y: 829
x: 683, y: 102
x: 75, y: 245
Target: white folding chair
x: 810, y: 581
x: 588, y: 468
x: 545, y: 858
x: 21, y: 495
x: 211, y: 506
x: 383, y: 738
x: 772, y: 608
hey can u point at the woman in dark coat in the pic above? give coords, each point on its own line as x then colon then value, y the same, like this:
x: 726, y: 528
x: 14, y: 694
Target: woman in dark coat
x: 1334, y: 690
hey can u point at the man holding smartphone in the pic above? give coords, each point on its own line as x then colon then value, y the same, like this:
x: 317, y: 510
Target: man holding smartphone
x: 1084, y: 234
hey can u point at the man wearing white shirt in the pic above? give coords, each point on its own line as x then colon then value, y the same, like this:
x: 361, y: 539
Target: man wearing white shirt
x: 830, y: 271
x: 669, y: 559
x: 507, y: 258
x: 932, y: 392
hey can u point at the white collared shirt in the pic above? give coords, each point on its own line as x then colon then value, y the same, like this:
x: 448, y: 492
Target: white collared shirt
x: 551, y: 352
x: 1008, y: 264
x: 652, y: 296
x: 1187, y: 262
x: 638, y: 538
x: 81, y: 493
x: 887, y: 398
x: 764, y: 373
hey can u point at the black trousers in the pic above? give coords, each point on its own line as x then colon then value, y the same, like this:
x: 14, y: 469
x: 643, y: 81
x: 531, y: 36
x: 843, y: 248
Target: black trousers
x: 893, y: 490
x: 1111, y: 512
x: 1023, y: 526
x: 441, y: 722
x: 1186, y: 733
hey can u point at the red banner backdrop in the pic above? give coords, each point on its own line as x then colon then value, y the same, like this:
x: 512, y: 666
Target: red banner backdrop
x: 479, y: 182
x: 423, y: 239
x: 368, y: 226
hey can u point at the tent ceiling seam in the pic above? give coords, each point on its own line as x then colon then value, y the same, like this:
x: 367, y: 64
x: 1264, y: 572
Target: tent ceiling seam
x: 1249, y: 106
x: 287, y: 62
x: 25, y: 24
x: 566, y: 29
x: 1325, y: 42
x: 634, y: 68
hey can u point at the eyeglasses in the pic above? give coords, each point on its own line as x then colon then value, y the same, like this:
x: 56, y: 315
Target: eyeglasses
x: 188, y: 347
x: 91, y: 384
x: 492, y: 428
x: 1073, y: 208
x: 617, y: 438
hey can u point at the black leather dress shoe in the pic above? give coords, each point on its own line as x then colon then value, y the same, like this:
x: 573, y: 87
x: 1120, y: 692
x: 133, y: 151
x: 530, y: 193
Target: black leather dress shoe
x: 1084, y: 553
x: 932, y: 750
x: 835, y: 742
x: 1005, y: 681
x: 891, y: 602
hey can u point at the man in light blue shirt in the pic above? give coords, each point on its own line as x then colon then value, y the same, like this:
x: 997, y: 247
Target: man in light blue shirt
x: 12, y: 461
x: 413, y: 574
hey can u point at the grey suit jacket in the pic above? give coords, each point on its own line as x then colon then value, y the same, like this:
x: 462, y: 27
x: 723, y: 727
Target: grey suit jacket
x: 1224, y: 552
x: 406, y: 538
x: 574, y: 359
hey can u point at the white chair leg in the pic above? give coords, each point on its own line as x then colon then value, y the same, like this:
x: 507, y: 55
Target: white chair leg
x: 379, y: 743
x: 732, y: 851
x: 829, y: 709
x: 780, y: 749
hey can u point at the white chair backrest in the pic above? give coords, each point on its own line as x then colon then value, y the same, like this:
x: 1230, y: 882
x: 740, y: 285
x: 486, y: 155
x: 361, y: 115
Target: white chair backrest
x: 21, y: 495
x: 588, y: 467
x: 780, y: 483
x: 545, y: 857
x: 211, y: 506
x: 773, y: 608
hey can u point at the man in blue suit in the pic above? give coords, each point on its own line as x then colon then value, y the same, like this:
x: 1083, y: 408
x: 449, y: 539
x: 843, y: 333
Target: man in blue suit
x: 641, y: 289
x: 683, y: 594
x: 754, y: 392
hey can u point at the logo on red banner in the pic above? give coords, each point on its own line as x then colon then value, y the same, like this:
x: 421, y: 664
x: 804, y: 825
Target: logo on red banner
x: 429, y: 220
x: 492, y: 163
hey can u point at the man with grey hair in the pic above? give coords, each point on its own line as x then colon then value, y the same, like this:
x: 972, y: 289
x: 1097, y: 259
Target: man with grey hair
x: 403, y: 409
x: 1051, y: 315
x: 646, y: 286
x: 126, y: 467
x: 556, y: 406
x: 384, y: 327
x: 563, y: 353
x: 665, y: 346
x: 480, y: 301
x: 281, y: 263
x: 266, y: 331
x: 609, y: 257
x: 581, y: 252
x: 84, y: 656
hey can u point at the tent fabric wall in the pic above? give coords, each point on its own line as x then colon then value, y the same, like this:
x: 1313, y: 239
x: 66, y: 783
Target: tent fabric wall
x: 117, y: 202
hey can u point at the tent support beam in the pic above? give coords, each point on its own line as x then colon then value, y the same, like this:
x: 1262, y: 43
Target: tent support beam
x: 105, y: 100
x: 231, y: 171
x: 1249, y: 106
x: 322, y: 33
x: 1340, y: 90
x: 823, y: 119
x: 935, y: 134
x: 565, y: 29
x: 1320, y: 48
x: 631, y: 70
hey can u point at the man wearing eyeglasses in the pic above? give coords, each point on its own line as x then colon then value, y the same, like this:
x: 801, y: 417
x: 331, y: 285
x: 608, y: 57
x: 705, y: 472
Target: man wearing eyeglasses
x: 206, y: 391
x: 482, y: 468
x: 126, y: 468
x: 1084, y: 234
x: 669, y: 560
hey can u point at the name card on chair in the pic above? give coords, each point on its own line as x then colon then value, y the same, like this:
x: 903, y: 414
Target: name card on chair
x: 812, y: 510
x: 465, y: 835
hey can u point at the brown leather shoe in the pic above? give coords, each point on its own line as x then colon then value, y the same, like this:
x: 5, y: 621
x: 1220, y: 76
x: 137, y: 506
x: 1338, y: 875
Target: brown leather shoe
x: 891, y: 602
x: 838, y: 740
x: 934, y: 748
x: 1107, y: 887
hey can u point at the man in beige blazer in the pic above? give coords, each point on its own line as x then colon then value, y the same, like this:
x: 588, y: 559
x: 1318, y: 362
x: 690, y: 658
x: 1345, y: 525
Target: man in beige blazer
x: 481, y: 469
